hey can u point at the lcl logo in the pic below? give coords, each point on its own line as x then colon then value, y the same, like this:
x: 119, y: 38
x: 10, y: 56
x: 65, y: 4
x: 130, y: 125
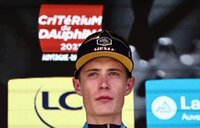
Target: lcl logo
x: 62, y: 101
x: 43, y: 105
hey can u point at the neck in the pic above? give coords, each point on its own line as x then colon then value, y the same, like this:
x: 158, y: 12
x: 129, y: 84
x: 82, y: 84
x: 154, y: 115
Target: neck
x: 104, y: 126
x: 106, y: 119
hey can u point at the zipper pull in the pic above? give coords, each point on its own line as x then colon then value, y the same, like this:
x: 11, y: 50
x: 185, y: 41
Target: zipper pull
x: 108, y: 125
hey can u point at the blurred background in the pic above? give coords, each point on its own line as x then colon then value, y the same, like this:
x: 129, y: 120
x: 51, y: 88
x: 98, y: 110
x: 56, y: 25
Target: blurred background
x: 164, y: 37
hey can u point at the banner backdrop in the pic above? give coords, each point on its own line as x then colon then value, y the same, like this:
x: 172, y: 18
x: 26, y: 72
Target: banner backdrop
x: 173, y: 103
x: 50, y: 103
x: 62, y: 28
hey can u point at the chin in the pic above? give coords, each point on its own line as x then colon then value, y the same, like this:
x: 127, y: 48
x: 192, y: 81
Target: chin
x: 105, y: 113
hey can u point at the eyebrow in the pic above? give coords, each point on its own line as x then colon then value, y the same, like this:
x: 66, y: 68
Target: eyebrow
x: 115, y: 69
x: 92, y: 69
x: 111, y: 69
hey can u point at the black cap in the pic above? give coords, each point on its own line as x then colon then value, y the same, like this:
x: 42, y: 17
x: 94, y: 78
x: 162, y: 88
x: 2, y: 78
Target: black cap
x: 104, y: 44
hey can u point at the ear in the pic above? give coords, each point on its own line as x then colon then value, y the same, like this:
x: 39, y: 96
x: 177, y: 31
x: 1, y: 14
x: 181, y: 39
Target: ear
x: 77, y: 87
x: 130, y: 85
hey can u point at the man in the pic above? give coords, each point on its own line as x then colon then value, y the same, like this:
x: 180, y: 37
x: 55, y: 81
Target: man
x: 103, y: 77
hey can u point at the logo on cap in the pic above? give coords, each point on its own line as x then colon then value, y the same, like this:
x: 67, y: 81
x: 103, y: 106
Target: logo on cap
x: 104, y: 41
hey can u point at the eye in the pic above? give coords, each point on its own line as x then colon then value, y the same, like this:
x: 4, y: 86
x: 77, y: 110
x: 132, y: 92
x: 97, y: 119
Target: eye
x: 93, y: 74
x: 114, y: 74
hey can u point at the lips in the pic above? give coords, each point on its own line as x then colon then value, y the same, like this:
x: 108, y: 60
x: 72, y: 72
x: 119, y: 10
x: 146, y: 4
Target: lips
x: 104, y: 98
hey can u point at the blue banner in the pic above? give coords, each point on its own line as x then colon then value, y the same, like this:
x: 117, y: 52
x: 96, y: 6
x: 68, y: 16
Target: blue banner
x: 173, y: 103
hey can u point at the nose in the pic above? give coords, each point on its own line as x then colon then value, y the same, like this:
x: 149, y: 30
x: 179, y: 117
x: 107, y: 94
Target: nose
x: 104, y: 84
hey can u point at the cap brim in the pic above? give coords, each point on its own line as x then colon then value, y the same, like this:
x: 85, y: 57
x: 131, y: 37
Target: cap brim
x: 123, y: 59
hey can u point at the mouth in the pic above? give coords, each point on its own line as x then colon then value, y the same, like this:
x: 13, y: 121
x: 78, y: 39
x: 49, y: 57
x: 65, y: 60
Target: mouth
x: 104, y: 98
